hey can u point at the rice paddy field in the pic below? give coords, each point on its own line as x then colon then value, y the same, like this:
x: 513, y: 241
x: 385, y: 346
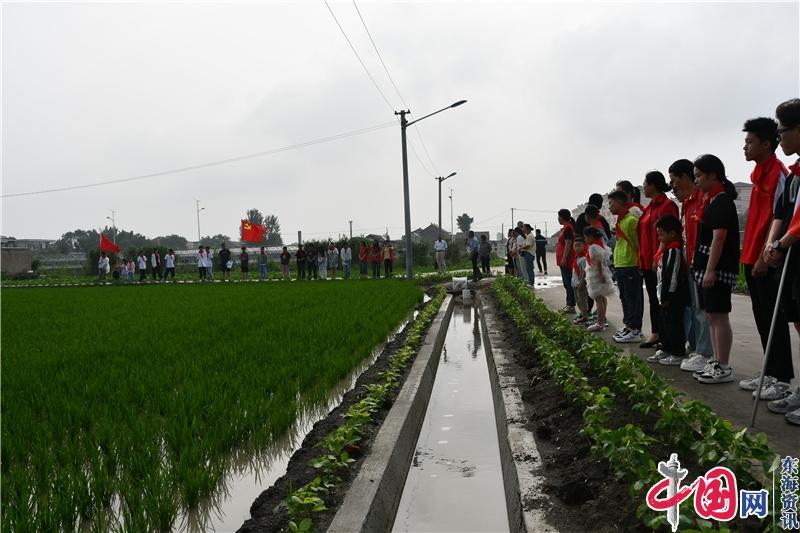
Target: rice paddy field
x: 122, y: 405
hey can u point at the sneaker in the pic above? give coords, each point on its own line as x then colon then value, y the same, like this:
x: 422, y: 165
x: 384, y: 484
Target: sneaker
x: 786, y: 404
x: 621, y: 331
x: 597, y: 327
x: 707, y: 368
x: 752, y: 383
x: 774, y: 391
x: 793, y: 417
x: 717, y: 374
x: 672, y: 360
x: 568, y: 310
x: 694, y: 363
x: 658, y: 356
x: 630, y: 336
x: 580, y: 320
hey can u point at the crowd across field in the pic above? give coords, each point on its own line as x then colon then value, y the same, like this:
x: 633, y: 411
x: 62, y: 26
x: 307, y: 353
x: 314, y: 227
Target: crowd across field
x: 688, y: 255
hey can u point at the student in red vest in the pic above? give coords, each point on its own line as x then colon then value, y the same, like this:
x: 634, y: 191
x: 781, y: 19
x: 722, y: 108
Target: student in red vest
x: 715, y: 263
x: 785, y: 235
x: 655, y: 187
x: 768, y: 178
x: 564, y: 253
x: 363, y: 259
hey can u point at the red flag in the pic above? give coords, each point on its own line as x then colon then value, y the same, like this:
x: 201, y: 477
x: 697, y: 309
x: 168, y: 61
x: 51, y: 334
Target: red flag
x: 107, y: 246
x: 252, y: 232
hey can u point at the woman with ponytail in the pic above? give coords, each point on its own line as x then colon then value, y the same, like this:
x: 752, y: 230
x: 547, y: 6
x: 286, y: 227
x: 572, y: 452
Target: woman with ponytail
x: 716, y: 262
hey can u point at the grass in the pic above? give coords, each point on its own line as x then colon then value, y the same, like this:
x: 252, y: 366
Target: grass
x: 135, y: 398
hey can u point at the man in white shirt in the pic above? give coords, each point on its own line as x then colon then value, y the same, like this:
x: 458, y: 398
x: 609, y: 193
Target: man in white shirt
x: 440, y: 247
x: 347, y: 259
x: 102, y: 267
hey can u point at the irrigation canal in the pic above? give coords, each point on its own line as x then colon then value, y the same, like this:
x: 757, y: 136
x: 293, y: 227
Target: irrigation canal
x: 455, y: 481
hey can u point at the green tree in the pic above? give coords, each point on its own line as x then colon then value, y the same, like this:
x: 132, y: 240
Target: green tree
x: 464, y: 222
x: 176, y: 242
x: 215, y: 241
x: 255, y: 216
x: 273, y: 237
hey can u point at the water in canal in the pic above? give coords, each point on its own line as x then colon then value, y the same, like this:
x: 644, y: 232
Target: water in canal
x: 455, y: 482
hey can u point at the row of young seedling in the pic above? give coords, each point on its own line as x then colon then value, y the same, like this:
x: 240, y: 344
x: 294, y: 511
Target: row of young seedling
x: 689, y: 428
x: 337, y: 447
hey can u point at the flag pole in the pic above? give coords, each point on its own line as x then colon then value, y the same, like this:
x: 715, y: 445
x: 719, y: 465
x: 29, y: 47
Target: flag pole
x: 768, y: 349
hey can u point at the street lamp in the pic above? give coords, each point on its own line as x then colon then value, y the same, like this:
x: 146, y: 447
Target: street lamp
x: 113, y: 224
x: 197, y: 204
x: 440, y: 180
x: 403, y: 125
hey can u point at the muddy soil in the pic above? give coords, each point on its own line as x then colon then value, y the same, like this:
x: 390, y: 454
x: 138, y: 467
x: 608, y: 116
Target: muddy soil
x: 267, y: 513
x: 584, y: 496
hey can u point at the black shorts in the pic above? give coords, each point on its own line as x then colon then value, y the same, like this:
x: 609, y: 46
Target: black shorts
x: 717, y: 299
x: 245, y: 268
x: 224, y: 268
x: 790, y: 301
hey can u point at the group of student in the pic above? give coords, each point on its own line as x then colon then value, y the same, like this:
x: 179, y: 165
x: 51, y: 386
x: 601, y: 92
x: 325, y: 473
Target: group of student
x: 689, y: 260
x: 159, y: 268
x: 522, y: 244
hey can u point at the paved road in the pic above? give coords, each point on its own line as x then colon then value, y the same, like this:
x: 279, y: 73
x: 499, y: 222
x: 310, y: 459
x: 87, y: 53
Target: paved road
x: 727, y: 399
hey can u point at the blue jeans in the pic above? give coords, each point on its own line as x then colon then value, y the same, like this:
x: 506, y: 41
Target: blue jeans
x: 566, y: 279
x: 346, y: 267
x: 696, y: 324
x: 263, y: 269
x: 528, y: 259
x: 629, y: 282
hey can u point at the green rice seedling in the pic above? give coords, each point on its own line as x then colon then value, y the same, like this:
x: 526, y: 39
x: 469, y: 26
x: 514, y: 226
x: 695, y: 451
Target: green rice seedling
x: 142, y: 394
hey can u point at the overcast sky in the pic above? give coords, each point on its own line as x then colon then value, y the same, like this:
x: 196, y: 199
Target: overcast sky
x: 564, y: 99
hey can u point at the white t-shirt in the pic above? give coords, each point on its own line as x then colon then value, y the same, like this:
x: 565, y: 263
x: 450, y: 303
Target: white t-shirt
x: 154, y: 260
x: 142, y: 262
x: 201, y: 259
x: 169, y: 259
x: 440, y: 245
x: 347, y: 255
x: 103, y: 265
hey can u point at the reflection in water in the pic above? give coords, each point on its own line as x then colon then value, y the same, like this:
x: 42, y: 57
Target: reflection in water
x: 476, y: 335
x: 249, y: 471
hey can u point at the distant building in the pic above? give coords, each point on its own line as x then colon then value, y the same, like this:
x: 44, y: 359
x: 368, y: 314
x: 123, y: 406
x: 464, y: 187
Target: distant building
x: 28, y: 244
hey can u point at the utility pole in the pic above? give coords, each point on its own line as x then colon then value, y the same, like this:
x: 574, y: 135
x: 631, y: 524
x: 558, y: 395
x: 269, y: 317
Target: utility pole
x: 512, y: 218
x: 452, y: 235
x: 197, y: 205
x: 112, y: 218
x: 351, y: 230
x: 440, y: 180
x: 406, y: 203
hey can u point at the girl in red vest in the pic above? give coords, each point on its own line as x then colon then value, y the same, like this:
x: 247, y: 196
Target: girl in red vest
x: 564, y: 254
x: 655, y: 187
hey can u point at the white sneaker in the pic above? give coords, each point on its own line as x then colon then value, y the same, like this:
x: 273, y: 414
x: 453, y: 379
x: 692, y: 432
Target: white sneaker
x: 658, y: 356
x: 694, y: 363
x: 774, y: 391
x: 631, y: 336
x: 793, y: 417
x: 752, y: 383
x: 717, y: 374
x: 786, y: 404
x: 597, y: 326
x: 707, y: 368
x: 672, y: 360
x: 621, y: 331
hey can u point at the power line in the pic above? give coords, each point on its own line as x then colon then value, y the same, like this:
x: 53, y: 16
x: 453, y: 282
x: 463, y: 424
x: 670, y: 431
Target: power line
x: 211, y: 163
x: 353, y: 48
x: 396, y: 89
x: 419, y: 160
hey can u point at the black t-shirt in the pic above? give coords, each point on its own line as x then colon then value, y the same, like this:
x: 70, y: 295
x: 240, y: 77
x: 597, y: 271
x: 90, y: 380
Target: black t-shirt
x: 224, y: 256
x: 784, y: 211
x: 301, y: 256
x: 244, y: 259
x: 541, y: 243
x: 719, y: 214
